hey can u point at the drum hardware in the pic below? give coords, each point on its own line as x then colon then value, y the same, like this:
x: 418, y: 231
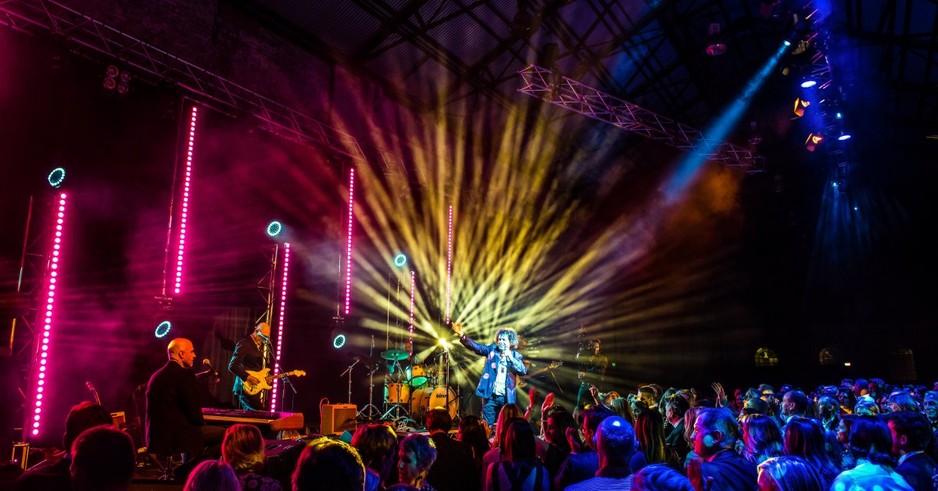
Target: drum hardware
x: 370, y: 412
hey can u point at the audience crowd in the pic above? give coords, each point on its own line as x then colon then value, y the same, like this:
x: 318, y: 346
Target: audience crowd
x: 859, y: 435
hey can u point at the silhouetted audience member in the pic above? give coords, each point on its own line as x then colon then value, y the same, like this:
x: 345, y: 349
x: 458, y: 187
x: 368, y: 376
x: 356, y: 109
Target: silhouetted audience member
x: 828, y: 412
x: 794, y: 403
x: 805, y: 438
x: 558, y: 420
x: 103, y: 459
x: 615, y: 444
x: 377, y: 445
x: 910, y: 434
x: 416, y: 455
x: 212, y: 475
x: 717, y: 465
x: 660, y: 477
x: 243, y: 449
x: 451, y: 470
x: 519, y: 469
x: 789, y: 473
x: 472, y: 432
x: 329, y: 465
x: 675, y: 407
x: 53, y: 473
x: 583, y: 464
x: 505, y: 414
x: 870, y: 443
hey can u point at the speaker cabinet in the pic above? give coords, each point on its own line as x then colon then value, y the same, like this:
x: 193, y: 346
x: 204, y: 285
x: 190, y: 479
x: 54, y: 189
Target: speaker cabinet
x: 337, y: 418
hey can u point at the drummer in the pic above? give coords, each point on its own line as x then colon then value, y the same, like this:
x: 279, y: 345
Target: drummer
x: 503, y: 364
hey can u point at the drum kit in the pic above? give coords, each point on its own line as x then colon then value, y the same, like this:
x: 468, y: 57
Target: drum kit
x: 411, y: 390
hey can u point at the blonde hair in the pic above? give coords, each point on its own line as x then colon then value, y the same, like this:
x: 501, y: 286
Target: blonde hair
x: 243, y: 448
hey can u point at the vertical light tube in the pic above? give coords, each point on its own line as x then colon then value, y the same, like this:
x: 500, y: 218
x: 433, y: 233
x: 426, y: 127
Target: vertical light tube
x: 348, y: 243
x: 413, y: 292
x: 186, y: 187
x: 51, y: 284
x: 281, y: 319
x: 449, y: 262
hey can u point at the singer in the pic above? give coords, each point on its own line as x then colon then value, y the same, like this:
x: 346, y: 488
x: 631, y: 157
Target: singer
x: 253, y: 352
x: 502, y: 365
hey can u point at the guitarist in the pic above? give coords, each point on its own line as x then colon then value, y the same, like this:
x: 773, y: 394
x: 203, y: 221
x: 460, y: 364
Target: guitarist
x: 591, y: 370
x: 503, y: 364
x: 253, y: 352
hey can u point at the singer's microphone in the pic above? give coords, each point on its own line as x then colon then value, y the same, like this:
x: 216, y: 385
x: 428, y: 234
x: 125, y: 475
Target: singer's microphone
x: 208, y: 363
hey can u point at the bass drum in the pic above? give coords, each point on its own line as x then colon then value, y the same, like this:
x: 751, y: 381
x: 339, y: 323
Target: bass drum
x: 427, y: 398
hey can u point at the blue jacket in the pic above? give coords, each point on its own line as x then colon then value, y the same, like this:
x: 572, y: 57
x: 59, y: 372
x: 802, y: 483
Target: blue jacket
x: 490, y: 370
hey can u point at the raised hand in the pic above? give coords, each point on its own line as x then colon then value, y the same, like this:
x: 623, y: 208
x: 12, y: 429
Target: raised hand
x: 457, y: 328
x: 548, y: 402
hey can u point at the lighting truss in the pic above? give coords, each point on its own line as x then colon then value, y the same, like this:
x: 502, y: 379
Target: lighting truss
x: 572, y: 95
x: 86, y: 35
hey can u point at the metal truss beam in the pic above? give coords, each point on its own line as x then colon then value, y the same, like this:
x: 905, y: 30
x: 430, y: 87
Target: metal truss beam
x: 572, y: 95
x: 89, y: 36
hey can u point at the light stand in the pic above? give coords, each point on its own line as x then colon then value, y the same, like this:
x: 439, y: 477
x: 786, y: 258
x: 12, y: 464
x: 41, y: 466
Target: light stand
x: 370, y: 411
x: 349, y: 372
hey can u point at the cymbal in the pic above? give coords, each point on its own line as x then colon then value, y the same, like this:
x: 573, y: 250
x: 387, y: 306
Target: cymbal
x: 394, y: 354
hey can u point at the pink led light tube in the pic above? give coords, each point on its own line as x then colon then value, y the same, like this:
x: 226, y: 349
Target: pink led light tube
x: 35, y: 422
x: 449, y: 263
x: 186, y: 188
x: 348, y: 242
x: 282, y: 318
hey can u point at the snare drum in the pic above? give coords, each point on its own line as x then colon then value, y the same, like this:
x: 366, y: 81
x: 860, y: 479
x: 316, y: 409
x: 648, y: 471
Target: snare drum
x: 416, y: 375
x: 396, y: 393
x: 429, y: 398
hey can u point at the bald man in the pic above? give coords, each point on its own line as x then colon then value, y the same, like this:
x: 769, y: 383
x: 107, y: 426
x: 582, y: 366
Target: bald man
x: 174, y: 412
x: 253, y: 352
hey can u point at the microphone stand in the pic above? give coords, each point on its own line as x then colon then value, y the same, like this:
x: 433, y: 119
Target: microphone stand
x: 349, y: 372
x: 288, y: 383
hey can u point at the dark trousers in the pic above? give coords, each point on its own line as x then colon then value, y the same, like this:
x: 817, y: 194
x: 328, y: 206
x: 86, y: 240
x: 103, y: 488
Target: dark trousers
x: 491, y: 407
x: 250, y: 402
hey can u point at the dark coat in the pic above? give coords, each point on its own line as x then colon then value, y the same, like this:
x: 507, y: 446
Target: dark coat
x: 730, y: 472
x: 174, y: 413
x: 490, y: 370
x: 918, y: 471
x: 246, y: 356
x: 453, y: 468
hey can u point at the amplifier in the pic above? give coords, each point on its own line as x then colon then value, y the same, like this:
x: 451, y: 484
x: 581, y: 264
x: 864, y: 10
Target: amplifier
x: 336, y: 418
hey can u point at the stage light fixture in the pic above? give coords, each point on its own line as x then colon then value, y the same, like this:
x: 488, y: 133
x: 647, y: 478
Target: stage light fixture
x: 339, y: 341
x: 56, y: 177
x: 807, y: 84
x: 348, y: 241
x: 715, y: 44
x: 274, y: 228
x: 813, y: 140
x: 400, y: 260
x: 186, y: 190
x: 163, y: 329
x: 844, y: 136
x: 282, y: 320
x: 800, y: 106
x: 839, y: 115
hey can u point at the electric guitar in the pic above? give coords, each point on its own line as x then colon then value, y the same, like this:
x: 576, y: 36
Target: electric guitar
x: 265, y: 380
x: 535, y: 373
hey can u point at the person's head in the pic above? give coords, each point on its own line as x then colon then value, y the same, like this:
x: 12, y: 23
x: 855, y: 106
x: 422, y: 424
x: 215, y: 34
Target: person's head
x: 866, y: 406
x: 870, y: 439
x: 473, y: 432
x: 930, y: 404
x: 262, y: 329
x: 416, y: 454
x: 861, y: 387
x: 243, y: 448
x: 910, y: 431
x: 103, y: 459
x: 558, y: 420
x: 788, y: 473
x: 804, y: 437
x: 82, y: 416
x: 622, y: 408
x: 438, y: 420
x: 648, y: 395
x: 181, y: 351
x: 843, y: 428
x: 674, y: 408
x: 762, y: 436
x: 714, y: 430
x: 212, y: 475
x: 615, y: 442
x: 828, y: 407
x: 505, y: 338
x: 519, y: 441
x: 592, y: 416
x: 755, y: 406
x: 877, y: 387
x: 329, y: 465
x: 690, y: 417
x: 505, y: 414
x: 595, y: 345
x: 377, y: 445
x: 649, y: 434
x: 794, y: 402
x: 660, y: 477
x: 901, y: 401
